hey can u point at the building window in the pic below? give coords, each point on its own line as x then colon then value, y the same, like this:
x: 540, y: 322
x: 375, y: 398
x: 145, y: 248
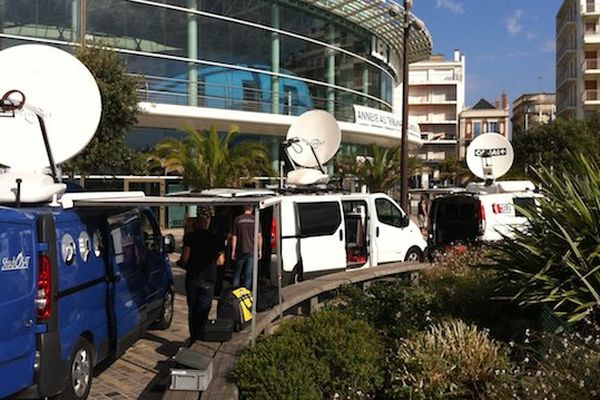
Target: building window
x: 493, y: 126
x: 476, y: 128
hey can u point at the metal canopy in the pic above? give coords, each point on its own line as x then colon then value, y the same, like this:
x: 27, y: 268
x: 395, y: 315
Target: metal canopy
x: 383, y: 18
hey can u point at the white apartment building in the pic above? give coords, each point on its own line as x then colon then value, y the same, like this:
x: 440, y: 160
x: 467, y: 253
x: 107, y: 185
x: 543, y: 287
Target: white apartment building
x: 436, y: 99
x: 578, y: 58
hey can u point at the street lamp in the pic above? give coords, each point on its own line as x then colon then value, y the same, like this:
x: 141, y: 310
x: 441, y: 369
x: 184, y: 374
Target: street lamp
x: 404, y: 148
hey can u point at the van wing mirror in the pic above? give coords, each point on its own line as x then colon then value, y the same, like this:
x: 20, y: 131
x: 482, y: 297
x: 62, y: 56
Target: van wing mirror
x: 169, y: 243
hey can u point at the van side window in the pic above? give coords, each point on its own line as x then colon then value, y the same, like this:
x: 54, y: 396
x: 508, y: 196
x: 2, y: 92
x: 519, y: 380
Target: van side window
x: 123, y: 229
x: 151, y: 233
x: 319, y: 219
x: 388, y: 213
x: 527, y: 203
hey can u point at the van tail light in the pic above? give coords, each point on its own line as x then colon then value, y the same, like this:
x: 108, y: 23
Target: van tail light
x: 43, y: 300
x: 481, y: 219
x: 274, y: 233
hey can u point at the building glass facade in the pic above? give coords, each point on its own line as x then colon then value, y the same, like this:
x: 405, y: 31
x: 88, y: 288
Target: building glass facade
x: 251, y: 55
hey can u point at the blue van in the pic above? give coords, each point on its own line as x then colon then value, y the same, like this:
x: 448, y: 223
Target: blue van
x: 77, y: 287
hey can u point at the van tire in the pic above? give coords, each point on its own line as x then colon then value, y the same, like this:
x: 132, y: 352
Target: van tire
x: 80, y: 376
x: 166, y: 312
x: 414, y: 254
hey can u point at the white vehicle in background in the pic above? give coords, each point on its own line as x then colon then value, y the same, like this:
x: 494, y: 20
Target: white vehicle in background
x: 486, y: 211
x: 481, y: 214
x: 326, y: 233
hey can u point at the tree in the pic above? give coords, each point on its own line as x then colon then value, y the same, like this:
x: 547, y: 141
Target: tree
x: 107, y: 153
x: 380, y: 170
x: 207, y: 159
x: 455, y: 170
x: 547, y: 144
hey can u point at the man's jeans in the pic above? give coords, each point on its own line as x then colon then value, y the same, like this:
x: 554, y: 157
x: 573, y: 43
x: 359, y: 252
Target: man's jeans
x: 199, y: 299
x: 243, y: 266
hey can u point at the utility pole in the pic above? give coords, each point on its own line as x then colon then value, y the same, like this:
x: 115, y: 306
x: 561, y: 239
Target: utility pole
x: 404, y: 146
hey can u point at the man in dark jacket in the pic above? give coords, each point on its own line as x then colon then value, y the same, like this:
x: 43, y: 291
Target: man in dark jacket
x: 202, y: 252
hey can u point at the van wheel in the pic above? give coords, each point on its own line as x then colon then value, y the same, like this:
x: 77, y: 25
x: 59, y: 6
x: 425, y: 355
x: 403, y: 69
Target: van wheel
x: 414, y: 255
x: 166, y: 312
x: 80, y: 372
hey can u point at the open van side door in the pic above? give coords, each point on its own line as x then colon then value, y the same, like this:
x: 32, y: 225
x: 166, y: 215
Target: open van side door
x: 18, y: 281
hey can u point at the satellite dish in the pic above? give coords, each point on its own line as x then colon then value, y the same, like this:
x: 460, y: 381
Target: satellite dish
x: 59, y: 88
x: 490, y: 156
x: 317, y: 129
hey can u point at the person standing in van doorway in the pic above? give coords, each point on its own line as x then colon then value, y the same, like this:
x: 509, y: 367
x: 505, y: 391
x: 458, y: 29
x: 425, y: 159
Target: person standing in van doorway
x: 202, y: 252
x: 423, y: 214
x: 242, y: 247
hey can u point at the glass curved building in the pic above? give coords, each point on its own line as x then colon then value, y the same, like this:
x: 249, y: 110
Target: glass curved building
x: 256, y: 64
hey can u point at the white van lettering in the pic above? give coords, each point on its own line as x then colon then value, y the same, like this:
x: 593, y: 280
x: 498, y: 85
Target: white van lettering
x: 20, y: 261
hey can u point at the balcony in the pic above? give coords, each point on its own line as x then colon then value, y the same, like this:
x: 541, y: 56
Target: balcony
x: 564, y: 77
x: 566, y: 104
x: 434, y: 119
x: 592, y: 7
x: 430, y: 80
x: 564, y: 50
x: 591, y: 97
x: 565, y: 24
x: 432, y: 99
x: 591, y: 66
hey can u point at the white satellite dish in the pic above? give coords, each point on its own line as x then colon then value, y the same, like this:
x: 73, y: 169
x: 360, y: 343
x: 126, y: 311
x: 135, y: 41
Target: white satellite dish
x: 319, y: 130
x: 490, y: 156
x: 60, y: 88
x: 50, y: 108
x: 311, y: 141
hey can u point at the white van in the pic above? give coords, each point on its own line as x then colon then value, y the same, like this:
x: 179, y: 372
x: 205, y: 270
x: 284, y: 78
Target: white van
x: 325, y: 233
x: 481, y: 214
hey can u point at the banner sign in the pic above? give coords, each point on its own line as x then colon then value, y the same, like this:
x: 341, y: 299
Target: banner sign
x: 383, y: 119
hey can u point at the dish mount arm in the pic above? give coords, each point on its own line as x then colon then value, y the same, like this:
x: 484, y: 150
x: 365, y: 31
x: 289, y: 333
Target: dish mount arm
x: 294, y: 143
x: 9, y: 105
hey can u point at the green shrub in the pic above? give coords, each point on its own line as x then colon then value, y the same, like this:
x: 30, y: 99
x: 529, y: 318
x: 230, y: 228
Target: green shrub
x: 464, y: 287
x: 567, y: 369
x: 278, y: 367
x: 396, y: 309
x: 325, y: 355
x: 451, y: 360
x: 556, y: 260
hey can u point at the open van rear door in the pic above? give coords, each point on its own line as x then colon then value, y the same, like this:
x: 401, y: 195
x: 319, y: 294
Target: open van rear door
x: 18, y: 284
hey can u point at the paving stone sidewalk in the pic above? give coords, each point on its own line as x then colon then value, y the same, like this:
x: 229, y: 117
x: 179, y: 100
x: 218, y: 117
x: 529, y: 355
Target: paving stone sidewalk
x: 143, y: 371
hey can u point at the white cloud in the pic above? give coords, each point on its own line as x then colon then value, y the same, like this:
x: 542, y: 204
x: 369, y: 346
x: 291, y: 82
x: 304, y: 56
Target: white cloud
x: 531, y: 35
x: 454, y: 6
x: 513, y: 22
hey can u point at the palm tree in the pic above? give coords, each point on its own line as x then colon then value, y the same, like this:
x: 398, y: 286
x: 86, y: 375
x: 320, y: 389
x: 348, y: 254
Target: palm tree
x: 207, y: 159
x: 380, y: 171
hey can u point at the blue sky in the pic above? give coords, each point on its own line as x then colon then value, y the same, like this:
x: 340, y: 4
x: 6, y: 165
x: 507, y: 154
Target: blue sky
x: 509, y: 44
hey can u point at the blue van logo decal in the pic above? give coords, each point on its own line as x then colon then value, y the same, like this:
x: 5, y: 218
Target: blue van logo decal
x: 20, y: 261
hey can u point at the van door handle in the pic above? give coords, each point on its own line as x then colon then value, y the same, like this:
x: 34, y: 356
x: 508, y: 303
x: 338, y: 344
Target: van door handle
x: 377, y: 232
x: 341, y: 234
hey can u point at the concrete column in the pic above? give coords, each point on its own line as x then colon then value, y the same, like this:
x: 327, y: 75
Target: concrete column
x: 1, y: 22
x: 75, y: 18
x: 275, y: 58
x: 365, y: 85
x: 192, y: 33
x: 331, y: 71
